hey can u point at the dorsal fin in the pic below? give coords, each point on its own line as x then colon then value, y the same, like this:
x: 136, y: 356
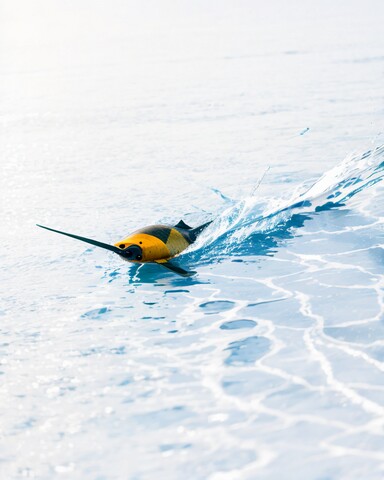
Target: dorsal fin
x: 182, y: 224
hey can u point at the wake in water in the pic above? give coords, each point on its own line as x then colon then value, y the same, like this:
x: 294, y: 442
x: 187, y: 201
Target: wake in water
x: 252, y: 226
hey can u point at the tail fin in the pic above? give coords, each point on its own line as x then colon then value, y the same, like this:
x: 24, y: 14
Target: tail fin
x: 195, y: 232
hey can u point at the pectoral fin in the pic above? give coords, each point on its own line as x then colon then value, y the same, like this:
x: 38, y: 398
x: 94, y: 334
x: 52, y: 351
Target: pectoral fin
x: 175, y: 268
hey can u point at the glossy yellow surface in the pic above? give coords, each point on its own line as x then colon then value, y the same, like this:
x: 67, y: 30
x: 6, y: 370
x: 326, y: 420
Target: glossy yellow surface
x: 154, y: 248
x: 176, y: 243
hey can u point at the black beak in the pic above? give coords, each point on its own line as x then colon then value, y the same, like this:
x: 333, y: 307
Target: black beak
x: 86, y: 240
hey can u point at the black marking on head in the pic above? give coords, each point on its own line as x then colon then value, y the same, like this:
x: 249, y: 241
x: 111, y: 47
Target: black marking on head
x: 133, y: 252
x: 158, y: 231
x: 122, y: 245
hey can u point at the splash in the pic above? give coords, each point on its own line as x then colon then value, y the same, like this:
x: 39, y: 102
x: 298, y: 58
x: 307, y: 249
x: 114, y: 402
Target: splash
x: 255, y: 226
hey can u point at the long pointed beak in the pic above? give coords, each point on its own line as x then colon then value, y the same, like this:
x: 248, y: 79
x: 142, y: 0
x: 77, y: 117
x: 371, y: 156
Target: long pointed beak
x: 87, y: 240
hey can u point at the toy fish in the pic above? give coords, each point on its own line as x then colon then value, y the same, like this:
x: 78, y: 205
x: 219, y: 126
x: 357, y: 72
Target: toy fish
x: 153, y: 244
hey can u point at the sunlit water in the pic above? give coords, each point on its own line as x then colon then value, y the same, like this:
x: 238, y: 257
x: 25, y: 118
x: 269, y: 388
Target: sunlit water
x: 267, y: 119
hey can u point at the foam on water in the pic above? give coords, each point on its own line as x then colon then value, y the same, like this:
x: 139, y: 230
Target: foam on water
x: 253, y: 226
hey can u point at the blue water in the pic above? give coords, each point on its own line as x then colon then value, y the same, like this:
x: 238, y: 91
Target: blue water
x: 268, y: 120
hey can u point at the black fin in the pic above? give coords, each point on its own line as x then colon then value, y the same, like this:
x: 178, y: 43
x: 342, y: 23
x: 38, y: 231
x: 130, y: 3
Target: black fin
x: 176, y: 269
x: 182, y: 224
x: 86, y: 240
x: 195, y: 232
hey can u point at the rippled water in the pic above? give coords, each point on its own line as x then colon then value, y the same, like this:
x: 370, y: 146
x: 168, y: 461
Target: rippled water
x: 266, y: 118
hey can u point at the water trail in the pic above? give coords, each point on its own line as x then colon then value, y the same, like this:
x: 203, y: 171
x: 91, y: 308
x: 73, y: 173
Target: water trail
x: 254, y: 226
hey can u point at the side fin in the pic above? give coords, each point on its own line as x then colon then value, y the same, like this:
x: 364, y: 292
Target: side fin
x: 182, y: 224
x: 175, y: 268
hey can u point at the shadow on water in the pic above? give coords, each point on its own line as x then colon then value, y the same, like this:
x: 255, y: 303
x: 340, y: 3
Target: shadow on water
x: 154, y: 275
x: 159, y: 276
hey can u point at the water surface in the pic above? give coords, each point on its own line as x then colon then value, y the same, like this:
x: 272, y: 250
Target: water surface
x: 267, y: 118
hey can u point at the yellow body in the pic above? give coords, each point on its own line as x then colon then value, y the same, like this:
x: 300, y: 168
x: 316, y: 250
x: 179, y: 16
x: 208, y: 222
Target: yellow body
x: 154, y: 249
